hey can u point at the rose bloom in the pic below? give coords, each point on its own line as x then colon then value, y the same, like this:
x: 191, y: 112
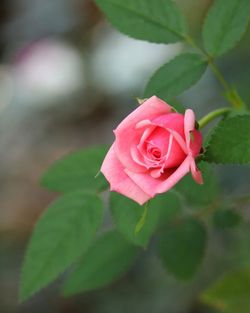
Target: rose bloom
x: 154, y: 148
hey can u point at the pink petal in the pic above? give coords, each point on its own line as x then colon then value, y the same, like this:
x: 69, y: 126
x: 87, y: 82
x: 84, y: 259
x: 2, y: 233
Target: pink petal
x: 189, y: 124
x: 152, y: 186
x: 113, y: 170
x: 196, y: 173
x: 179, y: 139
x: 194, y: 144
x: 127, y: 135
x: 174, y: 121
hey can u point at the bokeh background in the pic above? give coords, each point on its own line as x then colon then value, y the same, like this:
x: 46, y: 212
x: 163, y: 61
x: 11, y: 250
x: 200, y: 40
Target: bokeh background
x: 66, y: 79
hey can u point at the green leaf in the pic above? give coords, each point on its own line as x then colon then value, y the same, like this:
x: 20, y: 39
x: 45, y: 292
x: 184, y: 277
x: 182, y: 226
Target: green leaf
x: 169, y: 207
x: 231, y: 292
x: 199, y: 195
x: 127, y: 214
x: 182, y: 247
x: 226, y: 218
x: 177, y: 105
x: 152, y: 20
x: 176, y: 76
x: 225, y: 24
x: 62, y: 235
x: 77, y: 170
x: 108, y: 259
x: 230, y: 141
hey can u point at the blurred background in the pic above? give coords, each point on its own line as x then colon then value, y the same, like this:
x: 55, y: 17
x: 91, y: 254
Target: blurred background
x: 66, y: 79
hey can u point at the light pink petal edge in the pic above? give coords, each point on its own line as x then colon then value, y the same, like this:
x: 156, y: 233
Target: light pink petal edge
x: 189, y: 125
x: 113, y: 170
x: 196, y: 173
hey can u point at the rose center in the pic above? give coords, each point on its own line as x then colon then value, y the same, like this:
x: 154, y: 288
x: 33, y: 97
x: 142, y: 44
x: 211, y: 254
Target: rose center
x: 155, y: 153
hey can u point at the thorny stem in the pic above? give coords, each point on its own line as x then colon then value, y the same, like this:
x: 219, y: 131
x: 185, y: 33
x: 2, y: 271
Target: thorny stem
x: 230, y: 93
x: 243, y: 200
x: 212, y: 115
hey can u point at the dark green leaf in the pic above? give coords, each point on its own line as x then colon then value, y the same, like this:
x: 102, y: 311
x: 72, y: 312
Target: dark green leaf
x: 182, y: 247
x: 169, y: 207
x: 230, y: 292
x: 151, y: 20
x: 176, y: 76
x: 225, y: 24
x: 230, y: 141
x: 107, y: 260
x: 62, y: 234
x: 127, y: 213
x: 199, y: 195
x: 226, y: 218
x: 78, y: 170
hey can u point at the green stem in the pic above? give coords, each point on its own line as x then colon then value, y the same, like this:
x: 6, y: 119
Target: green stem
x: 231, y: 94
x: 213, y: 115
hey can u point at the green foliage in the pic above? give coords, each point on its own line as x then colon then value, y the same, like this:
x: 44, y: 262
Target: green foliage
x: 65, y: 233
x: 77, y: 171
x: 151, y: 20
x: 230, y: 141
x: 126, y: 214
x: 226, y: 218
x: 199, y: 195
x: 225, y: 24
x: 231, y: 293
x: 168, y: 206
x: 182, y: 247
x: 108, y: 259
x: 62, y: 235
x: 176, y: 76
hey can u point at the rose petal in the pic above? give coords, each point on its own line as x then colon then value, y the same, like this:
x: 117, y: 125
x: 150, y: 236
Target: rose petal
x: 179, y: 139
x: 189, y: 125
x: 113, y: 170
x: 152, y: 186
x: 127, y: 135
x: 196, y: 173
x: 196, y: 143
x: 174, y: 121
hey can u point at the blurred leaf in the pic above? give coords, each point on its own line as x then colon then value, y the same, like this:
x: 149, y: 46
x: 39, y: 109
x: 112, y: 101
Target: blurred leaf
x: 176, y: 105
x: 126, y: 215
x: 230, y: 141
x: 152, y: 20
x: 176, y: 76
x: 199, y: 195
x: 231, y: 293
x: 161, y: 211
x: 77, y: 170
x: 61, y: 235
x: 226, y: 218
x: 169, y: 207
x: 108, y: 259
x: 241, y: 245
x: 182, y: 247
x: 225, y: 24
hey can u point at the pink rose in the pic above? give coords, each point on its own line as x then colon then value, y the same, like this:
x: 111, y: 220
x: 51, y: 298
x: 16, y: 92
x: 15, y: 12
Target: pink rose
x: 154, y: 148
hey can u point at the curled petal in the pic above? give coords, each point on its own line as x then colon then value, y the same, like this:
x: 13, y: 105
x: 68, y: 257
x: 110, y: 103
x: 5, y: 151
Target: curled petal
x: 196, y: 173
x: 179, y: 139
x: 189, y: 125
x: 119, y: 181
x: 193, y: 137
